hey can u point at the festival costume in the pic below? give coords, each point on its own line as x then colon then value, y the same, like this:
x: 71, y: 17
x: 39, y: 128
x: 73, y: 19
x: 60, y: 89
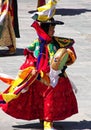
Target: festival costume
x: 39, y: 100
x: 42, y: 89
x: 9, y: 29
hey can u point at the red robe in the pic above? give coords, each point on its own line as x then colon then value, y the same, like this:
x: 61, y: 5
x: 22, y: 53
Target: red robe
x: 41, y: 102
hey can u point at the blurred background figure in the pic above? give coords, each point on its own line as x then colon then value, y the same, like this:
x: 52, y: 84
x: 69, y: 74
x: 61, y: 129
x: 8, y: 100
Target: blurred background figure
x: 9, y: 27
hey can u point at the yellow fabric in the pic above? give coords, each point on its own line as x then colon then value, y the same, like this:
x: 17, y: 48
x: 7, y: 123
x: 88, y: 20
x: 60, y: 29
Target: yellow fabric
x: 47, y: 11
x: 47, y: 125
x: 21, y: 79
x: 9, y: 96
x: 22, y: 74
x: 47, y: 6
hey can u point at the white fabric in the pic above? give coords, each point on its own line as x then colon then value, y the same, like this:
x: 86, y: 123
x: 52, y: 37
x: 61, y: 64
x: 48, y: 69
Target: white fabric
x: 3, y: 14
x: 54, y: 77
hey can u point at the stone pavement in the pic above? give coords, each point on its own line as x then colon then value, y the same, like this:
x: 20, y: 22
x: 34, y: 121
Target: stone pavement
x: 76, y: 15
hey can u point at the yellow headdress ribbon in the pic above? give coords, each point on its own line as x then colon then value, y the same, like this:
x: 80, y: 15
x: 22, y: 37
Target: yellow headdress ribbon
x: 46, y: 11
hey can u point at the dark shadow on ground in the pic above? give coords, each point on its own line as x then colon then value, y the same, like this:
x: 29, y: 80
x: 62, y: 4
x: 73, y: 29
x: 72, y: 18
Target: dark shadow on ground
x: 58, y: 125
x: 32, y: 11
x: 82, y: 125
x: 71, y: 12
x: 19, y: 51
x: 4, y: 53
x: 36, y: 126
x: 67, y: 11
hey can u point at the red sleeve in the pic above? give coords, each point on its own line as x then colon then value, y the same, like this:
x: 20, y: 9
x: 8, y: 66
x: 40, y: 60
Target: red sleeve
x: 72, y: 49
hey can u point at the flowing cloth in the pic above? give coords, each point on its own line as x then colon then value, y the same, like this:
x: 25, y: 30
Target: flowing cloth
x: 40, y: 101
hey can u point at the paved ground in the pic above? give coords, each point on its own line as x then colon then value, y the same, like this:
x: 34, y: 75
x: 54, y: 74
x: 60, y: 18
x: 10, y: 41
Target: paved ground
x: 77, y: 18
